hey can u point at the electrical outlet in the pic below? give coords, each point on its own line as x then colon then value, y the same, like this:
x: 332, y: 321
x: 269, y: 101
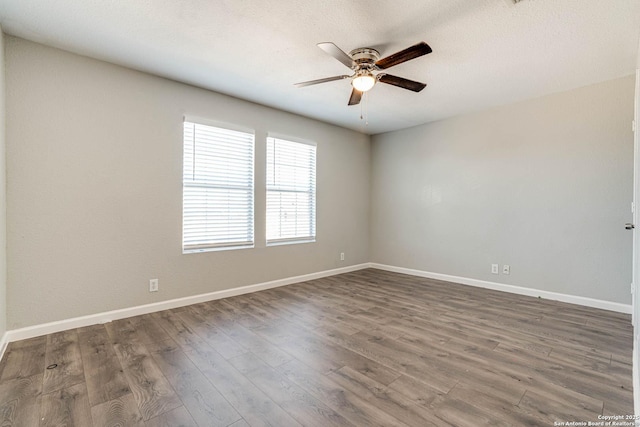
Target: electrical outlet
x: 494, y: 268
x: 341, y: 256
x: 506, y: 269
x: 153, y: 285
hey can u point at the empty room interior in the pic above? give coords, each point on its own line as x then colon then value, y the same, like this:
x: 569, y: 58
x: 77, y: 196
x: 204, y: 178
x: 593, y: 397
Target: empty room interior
x: 336, y: 213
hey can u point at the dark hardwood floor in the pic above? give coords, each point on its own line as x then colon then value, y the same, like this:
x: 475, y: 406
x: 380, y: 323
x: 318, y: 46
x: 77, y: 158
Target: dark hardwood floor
x: 369, y: 348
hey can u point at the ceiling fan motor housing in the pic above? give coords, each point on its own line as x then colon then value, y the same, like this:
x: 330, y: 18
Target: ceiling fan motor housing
x: 364, y: 57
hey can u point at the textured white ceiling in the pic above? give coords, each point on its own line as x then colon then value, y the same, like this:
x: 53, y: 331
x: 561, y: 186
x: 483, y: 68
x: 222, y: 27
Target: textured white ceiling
x: 485, y: 52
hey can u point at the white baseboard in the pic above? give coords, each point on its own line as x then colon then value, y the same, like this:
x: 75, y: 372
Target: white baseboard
x: 3, y: 344
x: 554, y: 296
x: 108, y: 316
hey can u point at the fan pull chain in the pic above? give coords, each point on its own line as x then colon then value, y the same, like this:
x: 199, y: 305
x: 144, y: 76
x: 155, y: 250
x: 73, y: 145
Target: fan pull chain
x: 366, y: 109
x: 363, y: 108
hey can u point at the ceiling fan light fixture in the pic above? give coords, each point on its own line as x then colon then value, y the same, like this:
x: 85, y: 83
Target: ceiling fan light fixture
x: 363, y: 82
x: 365, y: 63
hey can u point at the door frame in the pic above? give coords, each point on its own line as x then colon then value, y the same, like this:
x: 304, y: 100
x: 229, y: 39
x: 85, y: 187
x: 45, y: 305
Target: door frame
x: 635, y: 284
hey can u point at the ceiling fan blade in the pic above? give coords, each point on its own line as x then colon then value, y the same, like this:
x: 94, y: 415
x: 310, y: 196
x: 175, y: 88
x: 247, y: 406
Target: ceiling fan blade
x: 409, y: 53
x: 315, y: 82
x: 401, y: 82
x: 337, y: 53
x: 355, y: 97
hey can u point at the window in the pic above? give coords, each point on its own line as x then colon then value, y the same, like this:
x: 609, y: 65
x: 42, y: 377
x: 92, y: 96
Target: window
x: 291, y: 191
x: 217, y: 188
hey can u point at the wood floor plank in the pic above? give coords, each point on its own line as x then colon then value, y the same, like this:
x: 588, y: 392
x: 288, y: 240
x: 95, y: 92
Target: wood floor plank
x: 590, y: 357
x: 538, y: 345
x: 63, y: 351
x: 203, y: 401
x: 103, y: 373
x: 248, y: 304
x: 119, y: 412
x: 319, y: 353
x: 249, y: 339
x: 122, y: 331
x: 570, y: 376
x: 153, y: 393
x: 20, y: 401
x: 293, y: 399
x: 503, y: 409
x: 206, y: 330
x: 354, y: 408
x: 67, y: 407
x: 405, y: 362
x: 617, y: 370
x: 238, y: 316
x: 332, y: 313
x: 254, y: 405
x: 178, y: 417
x: 24, y: 358
x: 297, y: 314
x: 459, y: 413
x: 554, y: 410
x: 147, y: 329
x: 415, y: 390
x: 388, y: 400
x: 174, y: 326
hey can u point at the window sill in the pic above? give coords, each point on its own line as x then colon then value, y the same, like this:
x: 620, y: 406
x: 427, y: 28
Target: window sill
x: 225, y: 248
x: 290, y: 242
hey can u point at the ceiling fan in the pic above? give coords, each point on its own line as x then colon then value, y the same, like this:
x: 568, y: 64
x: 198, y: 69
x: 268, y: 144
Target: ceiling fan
x: 365, y: 63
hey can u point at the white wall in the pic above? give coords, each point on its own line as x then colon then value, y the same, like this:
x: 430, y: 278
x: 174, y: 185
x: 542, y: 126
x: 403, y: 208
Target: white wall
x: 544, y: 186
x: 94, y: 155
x: 3, y: 197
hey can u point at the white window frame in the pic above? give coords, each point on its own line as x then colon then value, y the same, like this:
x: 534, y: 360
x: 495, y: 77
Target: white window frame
x: 280, y: 183
x: 218, y: 179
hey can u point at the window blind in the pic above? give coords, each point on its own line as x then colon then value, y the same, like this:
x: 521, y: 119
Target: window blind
x: 291, y: 191
x: 217, y: 188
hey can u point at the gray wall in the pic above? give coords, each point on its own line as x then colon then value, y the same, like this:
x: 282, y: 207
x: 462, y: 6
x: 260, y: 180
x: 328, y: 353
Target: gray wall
x: 3, y: 197
x: 544, y: 186
x: 94, y: 194
x: 94, y: 191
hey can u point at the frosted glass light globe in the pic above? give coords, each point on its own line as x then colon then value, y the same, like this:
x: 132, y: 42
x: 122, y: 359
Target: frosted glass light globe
x: 363, y: 82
